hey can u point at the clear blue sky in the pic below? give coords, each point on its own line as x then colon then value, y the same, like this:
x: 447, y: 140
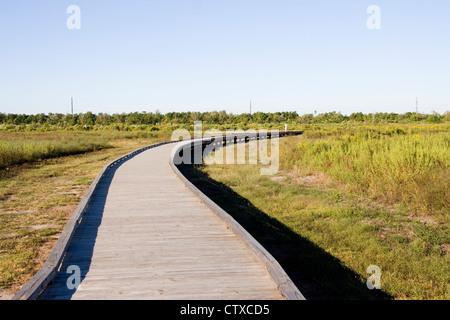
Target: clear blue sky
x: 204, y: 55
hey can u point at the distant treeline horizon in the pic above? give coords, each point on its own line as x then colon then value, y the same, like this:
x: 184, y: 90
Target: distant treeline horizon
x: 215, y: 117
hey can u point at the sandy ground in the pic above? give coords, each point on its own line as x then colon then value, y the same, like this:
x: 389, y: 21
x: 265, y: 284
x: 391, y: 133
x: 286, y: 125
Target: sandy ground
x: 6, y: 295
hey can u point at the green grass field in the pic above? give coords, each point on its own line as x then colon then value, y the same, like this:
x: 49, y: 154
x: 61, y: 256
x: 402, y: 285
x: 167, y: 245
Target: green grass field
x: 347, y: 197
x: 26, y: 147
x: 396, y: 164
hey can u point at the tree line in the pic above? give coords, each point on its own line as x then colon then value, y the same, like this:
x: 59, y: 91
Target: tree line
x: 214, y: 117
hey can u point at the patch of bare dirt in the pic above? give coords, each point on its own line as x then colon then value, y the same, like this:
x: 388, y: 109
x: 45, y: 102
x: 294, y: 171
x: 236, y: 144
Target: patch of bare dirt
x: 7, y: 236
x: 279, y: 179
x: 44, y: 252
x: 309, y: 181
x: 446, y: 249
x: 295, y: 177
x: 43, y: 226
x: 424, y: 219
x: 6, y: 295
x: 19, y: 212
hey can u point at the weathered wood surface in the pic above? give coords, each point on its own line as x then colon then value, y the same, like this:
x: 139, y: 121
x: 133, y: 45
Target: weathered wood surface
x: 33, y: 288
x: 146, y: 236
x: 285, y: 285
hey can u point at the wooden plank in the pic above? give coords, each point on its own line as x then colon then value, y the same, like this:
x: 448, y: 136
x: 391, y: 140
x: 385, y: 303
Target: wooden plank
x: 284, y: 283
x: 172, y: 234
x: 144, y: 233
x: 38, y: 282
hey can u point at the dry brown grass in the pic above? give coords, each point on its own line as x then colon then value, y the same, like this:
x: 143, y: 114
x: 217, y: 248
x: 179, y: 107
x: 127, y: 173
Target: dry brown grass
x: 36, y: 199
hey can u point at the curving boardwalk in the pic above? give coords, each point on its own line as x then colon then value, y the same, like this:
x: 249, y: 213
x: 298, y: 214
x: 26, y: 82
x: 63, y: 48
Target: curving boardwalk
x: 146, y: 235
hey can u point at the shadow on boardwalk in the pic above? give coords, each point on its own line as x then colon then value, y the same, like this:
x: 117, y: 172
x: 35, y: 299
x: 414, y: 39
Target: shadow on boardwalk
x: 80, y: 252
x: 316, y: 273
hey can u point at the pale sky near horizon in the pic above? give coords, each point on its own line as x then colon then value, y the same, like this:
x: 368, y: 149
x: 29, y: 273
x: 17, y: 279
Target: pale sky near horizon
x: 205, y: 55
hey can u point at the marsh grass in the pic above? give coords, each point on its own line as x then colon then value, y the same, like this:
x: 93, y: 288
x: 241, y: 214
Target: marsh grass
x: 402, y: 165
x: 346, y: 197
x: 363, y: 195
x: 37, y: 198
x: 22, y: 148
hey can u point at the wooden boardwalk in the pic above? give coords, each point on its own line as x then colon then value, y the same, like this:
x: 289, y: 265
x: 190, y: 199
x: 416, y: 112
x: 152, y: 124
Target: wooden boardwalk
x: 147, y: 236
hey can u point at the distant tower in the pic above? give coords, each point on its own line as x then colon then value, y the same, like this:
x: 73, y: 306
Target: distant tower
x: 417, y: 109
x: 250, y: 107
x: 71, y: 105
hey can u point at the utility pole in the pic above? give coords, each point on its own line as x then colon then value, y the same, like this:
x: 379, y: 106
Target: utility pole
x: 71, y: 104
x: 417, y: 109
x: 250, y: 107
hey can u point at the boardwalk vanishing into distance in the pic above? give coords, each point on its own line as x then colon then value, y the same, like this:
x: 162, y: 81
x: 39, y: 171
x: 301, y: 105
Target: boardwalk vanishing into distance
x: 144, y: 232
